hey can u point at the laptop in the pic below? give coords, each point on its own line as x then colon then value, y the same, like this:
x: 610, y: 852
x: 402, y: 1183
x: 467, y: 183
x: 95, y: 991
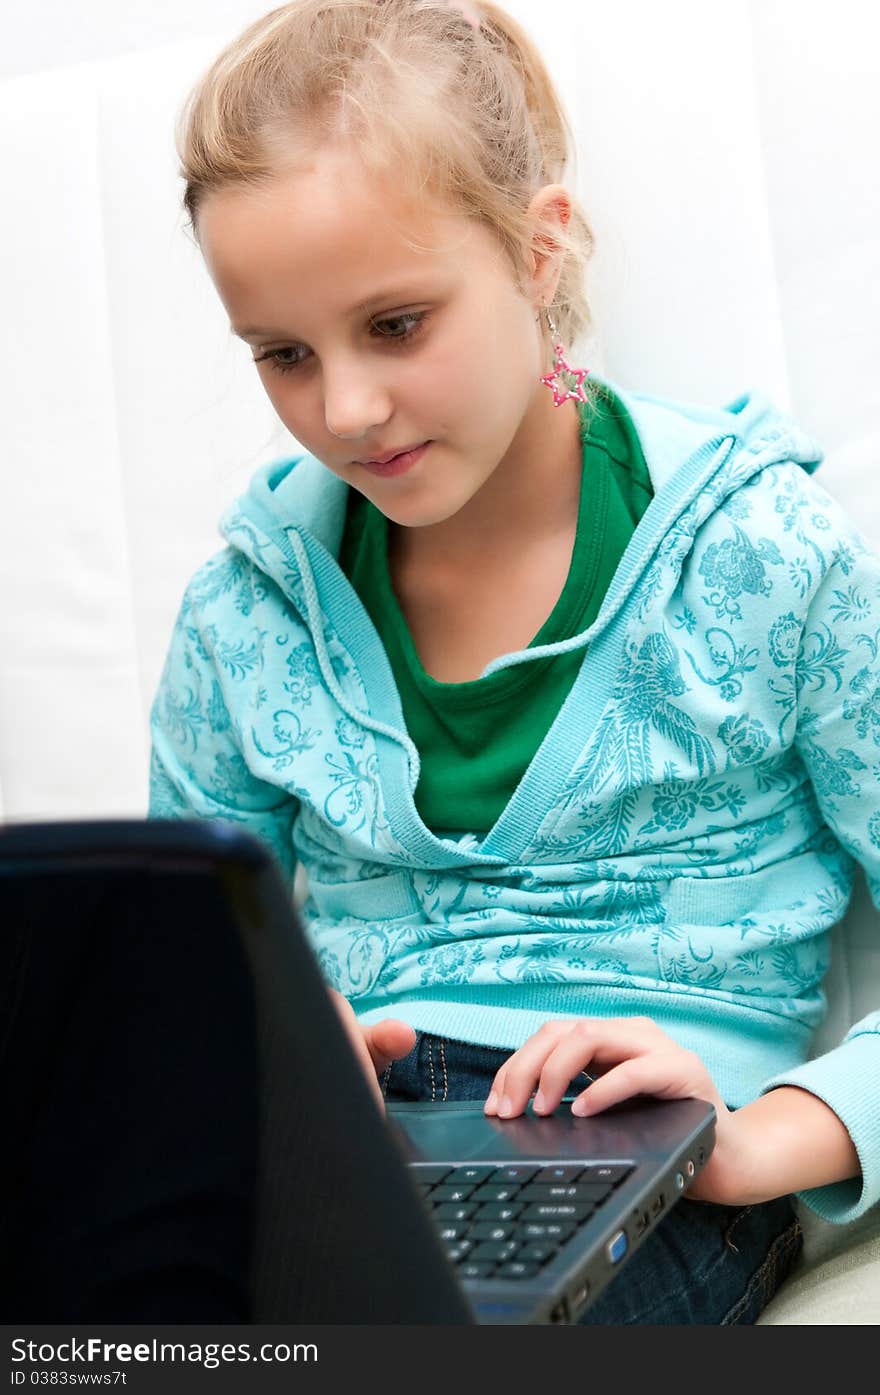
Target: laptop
x: 193, y: 1139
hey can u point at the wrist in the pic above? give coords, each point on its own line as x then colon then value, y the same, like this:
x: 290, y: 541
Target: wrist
x: 789, y: 1140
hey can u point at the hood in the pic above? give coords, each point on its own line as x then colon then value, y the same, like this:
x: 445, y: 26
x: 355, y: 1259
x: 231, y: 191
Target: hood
x: 290, y: 523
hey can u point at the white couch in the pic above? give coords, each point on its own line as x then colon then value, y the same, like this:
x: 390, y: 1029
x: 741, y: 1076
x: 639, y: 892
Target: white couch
x: 725, y: 159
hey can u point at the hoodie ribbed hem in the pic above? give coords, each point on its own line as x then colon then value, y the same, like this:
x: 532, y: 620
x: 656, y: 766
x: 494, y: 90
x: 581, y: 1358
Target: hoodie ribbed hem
x: 739, y: 1049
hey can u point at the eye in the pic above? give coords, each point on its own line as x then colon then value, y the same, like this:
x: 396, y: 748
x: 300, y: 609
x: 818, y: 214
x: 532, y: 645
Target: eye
x: 413, y: 322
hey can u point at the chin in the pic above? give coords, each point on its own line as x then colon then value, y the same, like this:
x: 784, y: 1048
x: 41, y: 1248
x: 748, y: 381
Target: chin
x: 416, y: 515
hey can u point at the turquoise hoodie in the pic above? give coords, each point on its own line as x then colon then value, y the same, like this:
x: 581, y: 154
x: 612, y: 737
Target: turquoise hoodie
x: 686, y: 833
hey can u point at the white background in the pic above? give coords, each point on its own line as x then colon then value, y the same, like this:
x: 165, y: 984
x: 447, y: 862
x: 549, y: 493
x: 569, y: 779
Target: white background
x: 726, y: 159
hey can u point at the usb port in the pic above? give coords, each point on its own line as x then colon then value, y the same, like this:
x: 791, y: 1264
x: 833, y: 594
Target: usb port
x: 657, y: 1205
x: 639, y: 1222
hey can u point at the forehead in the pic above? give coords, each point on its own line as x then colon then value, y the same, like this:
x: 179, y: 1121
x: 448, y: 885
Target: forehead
x: 328, y: 225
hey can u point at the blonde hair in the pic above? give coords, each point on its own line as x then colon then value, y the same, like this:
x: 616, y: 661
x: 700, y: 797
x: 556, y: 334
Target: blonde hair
x: 468, y: 114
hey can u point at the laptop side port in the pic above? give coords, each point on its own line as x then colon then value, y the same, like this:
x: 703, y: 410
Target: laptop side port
x: 560, y: 1312
x: 657, y: 1204
x: 639, y: 1221
x: 579, y: 1298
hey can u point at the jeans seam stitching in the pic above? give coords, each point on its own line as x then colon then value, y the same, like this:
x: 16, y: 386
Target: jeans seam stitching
x: 789, y: 1237
x: 430, y: 1043
x: 443, y: 1064
x: 728, y: 1234
x: 778, y: 1251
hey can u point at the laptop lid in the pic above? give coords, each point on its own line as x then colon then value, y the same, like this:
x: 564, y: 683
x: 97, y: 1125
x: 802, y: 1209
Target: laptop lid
x: 195, y: 1139
x: 191, y: 1137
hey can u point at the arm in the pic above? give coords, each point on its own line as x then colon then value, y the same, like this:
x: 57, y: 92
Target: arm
x: 814, y: 1129
x: 796, y: 1143
x: 835, y: 706
x: 198, y: 768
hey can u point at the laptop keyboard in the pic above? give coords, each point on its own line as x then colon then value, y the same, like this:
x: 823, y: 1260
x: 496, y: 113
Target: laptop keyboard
x: 507, y: 1222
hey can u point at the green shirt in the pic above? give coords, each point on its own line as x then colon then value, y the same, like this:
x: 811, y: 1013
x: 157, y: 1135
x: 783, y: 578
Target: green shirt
x: 476, y: 739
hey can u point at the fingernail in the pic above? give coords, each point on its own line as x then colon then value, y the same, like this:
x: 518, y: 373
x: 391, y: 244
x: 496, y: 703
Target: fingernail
x: 540, y: 1103
x: 581, y: 1108
x: 491, y: 1104
x: 506, y: 1105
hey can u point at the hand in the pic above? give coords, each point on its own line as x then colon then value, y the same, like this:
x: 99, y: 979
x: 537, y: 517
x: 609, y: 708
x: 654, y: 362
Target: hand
x: 375, y: 1047
x: 628, y: 1056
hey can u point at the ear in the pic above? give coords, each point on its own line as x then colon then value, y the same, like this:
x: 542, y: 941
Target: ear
x: 550, y: 211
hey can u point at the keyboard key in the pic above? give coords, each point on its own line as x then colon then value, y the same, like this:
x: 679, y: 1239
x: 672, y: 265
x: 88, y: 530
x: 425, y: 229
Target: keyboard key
x: 556, y: 1211
x: 488, y: 1231
x: 548, y: 1230
x: 498, y: 1211
x: 476, y: 1269
x: 454, y: 1232
x: 561, y: 1172
x: 473, y: 1174
x: 517, y: 1172
x: 539, y: 1251
x: 430, y: 1172
x: 445, y: 1192
x: 492, y: 1191
x: 595, y: 1192
x: 495, y: 1250
x: 458, y: 1252
x: 516, y: 1269
x: 591, y: 1192
x: 454, y: 1211
x: 606, y: 1172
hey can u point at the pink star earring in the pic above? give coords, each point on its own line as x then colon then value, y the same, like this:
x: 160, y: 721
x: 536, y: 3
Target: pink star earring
x: 572, y: 378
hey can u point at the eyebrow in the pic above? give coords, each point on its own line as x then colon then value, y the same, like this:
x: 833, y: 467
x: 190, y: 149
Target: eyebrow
x: 401, y: 293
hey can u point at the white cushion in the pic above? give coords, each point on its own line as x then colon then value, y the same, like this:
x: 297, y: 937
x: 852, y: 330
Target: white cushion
x: 725, y: 161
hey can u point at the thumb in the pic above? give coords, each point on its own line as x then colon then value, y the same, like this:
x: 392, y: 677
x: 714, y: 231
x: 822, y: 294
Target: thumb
x: 388, y: 1040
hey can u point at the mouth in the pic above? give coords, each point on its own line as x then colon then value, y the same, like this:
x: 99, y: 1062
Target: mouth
x: 395, y: 464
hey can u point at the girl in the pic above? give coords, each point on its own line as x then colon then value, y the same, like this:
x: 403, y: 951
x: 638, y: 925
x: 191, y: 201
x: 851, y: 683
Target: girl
x: 565, y: 698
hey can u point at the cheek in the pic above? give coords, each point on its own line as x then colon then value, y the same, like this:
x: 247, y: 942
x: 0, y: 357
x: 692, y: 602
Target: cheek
x: 272, y: 384
x: 493, y: 383
x: 298, y: 409
x: 457, y: 389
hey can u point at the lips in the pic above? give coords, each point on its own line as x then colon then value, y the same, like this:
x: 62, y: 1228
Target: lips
x: 396, y: 464
x: 390, y: 455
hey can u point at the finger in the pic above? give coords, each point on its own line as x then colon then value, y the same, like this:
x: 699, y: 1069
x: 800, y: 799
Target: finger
x: 535, y: 1049
x: 517, y: 1078
x: 597, y: 1042
x: 369, y: 1060
x: 609, y: 1039
x: 388, y: 1040
x: 665, y: 1074
x: 573, y: 1055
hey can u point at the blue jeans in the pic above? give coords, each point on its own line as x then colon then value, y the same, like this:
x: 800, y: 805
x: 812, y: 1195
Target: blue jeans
x: 704, y: 1263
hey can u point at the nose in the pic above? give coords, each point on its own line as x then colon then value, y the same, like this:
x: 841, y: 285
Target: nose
x: 356, y: 406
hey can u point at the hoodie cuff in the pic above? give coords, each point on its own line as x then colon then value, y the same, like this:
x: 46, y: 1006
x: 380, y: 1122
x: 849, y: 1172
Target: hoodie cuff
x: 839, y: 1078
